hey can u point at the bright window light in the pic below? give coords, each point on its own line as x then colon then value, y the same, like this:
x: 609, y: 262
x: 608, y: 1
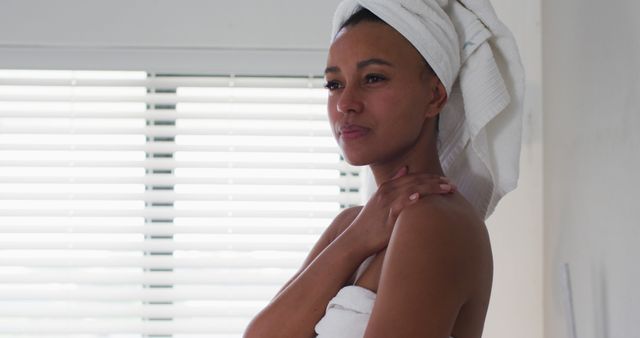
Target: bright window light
x: 266, y: 109
x: 249, y: 189
x: 256, y: 157
x: 66, y: 139
x: 70, y: 205
x: 149, y: 203
x: 258, y: 206
x: 72, y: 188
x: 117, y: 156
x: 232, y: 173
x: 71, y: 91
x: 71, y: 123
x: 252, y: 140
x: 72, y: 107
x: 255, y: 93
x: 71, y: 74
x: 254, y: 124
x: 70, y: 172
x: 72, y: 221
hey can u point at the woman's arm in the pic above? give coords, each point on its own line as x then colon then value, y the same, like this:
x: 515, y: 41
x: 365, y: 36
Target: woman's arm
x: 297, y: 308
x: 431, y: 269
x: 295, y: 311
x: 344, y: 218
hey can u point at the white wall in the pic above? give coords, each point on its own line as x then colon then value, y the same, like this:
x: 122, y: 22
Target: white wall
x: 284, y: 36
x: 165, y: 23
x: 516, y: 226
x: 240, y: 36
x: 592, y: 165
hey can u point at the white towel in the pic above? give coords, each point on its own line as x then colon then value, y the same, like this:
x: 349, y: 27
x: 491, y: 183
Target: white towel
x: 476, y: 57
x: 347, y: 313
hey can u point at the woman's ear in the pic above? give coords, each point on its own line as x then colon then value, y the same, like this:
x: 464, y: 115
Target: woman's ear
x: 437, y: 97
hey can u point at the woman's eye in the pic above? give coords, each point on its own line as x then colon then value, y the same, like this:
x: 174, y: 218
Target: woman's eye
x: 332, y: 85
x: 373, y: 78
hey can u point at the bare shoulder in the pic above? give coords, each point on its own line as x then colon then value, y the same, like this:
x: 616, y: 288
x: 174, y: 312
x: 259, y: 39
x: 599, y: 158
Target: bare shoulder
x: 445, y: 217
x: 437, y: 262
x: 446, y: 227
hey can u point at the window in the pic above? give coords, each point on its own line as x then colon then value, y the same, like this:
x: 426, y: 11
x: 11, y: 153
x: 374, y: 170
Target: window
x: 137, y: 204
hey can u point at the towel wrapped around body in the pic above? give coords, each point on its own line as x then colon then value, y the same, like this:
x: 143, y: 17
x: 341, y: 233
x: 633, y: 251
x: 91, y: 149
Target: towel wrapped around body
x: 347, y: 313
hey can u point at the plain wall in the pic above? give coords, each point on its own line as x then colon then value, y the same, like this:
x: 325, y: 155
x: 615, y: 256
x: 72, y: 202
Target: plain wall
x: 516, y: 227
x: 217, y: 37
x: 592, y: 165
x: 285, y: 37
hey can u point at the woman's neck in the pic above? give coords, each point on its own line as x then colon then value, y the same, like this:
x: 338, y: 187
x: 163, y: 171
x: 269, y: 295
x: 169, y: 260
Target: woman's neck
x: 421, y: 158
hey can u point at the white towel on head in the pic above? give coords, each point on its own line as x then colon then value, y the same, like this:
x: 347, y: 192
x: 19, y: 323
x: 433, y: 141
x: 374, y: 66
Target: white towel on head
x: 476, y: 58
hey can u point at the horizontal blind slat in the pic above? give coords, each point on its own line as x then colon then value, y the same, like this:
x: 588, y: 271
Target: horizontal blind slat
x: 169, y: 213
x: 168, y: 81
x: 155, y: 262
x: 168, y: 114
x: 163, y: 246
x: 166, y: 230
x: 174, y: 180
x: 166, y: 197
x: 164, y: 131
x: 126, y: 326
x: 114, y: 309
x: 172, y: 164
x: 169, y: 148
x: 162, y: 98
x: 115, y: 276
x: 139, y: 293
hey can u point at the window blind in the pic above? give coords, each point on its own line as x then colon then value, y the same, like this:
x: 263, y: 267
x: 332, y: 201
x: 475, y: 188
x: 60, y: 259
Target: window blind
x: 137, y: 204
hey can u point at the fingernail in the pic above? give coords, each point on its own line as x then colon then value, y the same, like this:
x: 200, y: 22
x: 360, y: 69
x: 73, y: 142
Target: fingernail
x: 445, y: 187
x: 400, y: 172
x: 414, y: 196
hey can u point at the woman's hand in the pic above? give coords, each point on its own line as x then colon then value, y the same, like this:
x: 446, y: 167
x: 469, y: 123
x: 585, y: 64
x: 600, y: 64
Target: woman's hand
x: 374, y: 224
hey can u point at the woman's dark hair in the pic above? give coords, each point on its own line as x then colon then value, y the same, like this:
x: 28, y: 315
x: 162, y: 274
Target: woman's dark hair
x: 362, y: 14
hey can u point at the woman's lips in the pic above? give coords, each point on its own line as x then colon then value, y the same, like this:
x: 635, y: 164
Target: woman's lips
x: 352, y: 132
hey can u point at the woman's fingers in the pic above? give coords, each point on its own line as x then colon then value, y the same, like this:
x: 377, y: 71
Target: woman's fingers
x: 433, y: 187
x: 401, y: 172
x: 422, y: 183
x: 405, y: 189
x: 411, y: 193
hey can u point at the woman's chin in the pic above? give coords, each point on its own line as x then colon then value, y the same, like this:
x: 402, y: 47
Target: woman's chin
x: 355, y: 160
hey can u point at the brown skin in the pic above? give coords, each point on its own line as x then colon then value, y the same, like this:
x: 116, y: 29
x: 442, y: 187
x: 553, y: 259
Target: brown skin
x: 300, y: 304
x: 433, y: 269
x: 397, y: 99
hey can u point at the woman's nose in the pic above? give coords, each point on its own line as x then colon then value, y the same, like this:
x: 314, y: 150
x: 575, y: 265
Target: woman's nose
x: 350, y: 101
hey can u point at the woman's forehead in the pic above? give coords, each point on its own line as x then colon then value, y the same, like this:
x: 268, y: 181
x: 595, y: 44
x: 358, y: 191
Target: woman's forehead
x: 371, y: 40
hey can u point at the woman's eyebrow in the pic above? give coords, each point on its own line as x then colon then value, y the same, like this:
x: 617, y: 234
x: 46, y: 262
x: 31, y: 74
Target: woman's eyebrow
x: 360, y: 65
x: 374, y: 61
x: 332, y: 69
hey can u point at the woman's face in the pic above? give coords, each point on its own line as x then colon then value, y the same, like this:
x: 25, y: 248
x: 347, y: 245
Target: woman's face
x: 379, y: 93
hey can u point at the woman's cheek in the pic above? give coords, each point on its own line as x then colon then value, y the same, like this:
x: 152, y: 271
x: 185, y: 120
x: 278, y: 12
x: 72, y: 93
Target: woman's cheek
x: 333, y: 115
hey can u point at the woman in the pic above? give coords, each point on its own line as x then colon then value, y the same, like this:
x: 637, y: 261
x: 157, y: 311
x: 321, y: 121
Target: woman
x: 419, y: 249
